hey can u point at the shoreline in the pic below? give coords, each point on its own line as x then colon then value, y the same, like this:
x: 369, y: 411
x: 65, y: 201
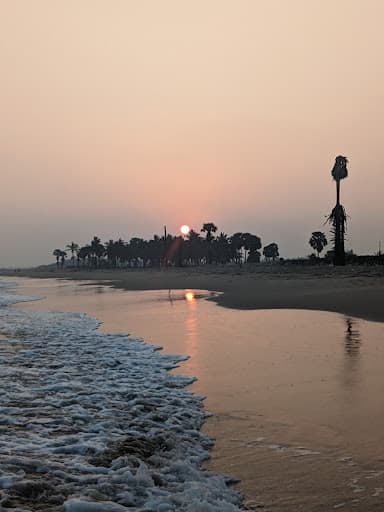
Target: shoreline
x: 271, y: 443
x: 129, y: 421
x: 352, y: 291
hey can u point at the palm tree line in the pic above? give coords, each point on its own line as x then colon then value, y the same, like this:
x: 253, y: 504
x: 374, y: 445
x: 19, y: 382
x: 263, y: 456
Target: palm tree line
x: 196, y: 248
x: 172, y: 250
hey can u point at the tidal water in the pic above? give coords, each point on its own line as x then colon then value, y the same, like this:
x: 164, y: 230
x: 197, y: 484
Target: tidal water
x: 296, y: 396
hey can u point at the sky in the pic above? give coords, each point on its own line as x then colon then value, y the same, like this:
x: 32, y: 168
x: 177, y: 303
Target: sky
x: 121, y: 116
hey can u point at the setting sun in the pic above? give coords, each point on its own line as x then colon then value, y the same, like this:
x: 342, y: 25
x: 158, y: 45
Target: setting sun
x: 185, y: 229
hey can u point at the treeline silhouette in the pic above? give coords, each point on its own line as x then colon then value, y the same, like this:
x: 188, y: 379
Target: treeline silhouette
x: 169, y: 250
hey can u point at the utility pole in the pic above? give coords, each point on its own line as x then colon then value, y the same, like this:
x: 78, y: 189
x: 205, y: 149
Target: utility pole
x: 165, y: 262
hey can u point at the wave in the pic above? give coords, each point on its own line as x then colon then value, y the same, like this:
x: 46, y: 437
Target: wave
x: 91, y: 421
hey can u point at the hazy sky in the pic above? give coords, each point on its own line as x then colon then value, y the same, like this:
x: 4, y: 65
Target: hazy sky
x: 120, y: 116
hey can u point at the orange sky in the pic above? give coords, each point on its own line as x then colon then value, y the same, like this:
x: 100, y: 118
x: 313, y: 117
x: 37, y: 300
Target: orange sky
x: 120, y: 116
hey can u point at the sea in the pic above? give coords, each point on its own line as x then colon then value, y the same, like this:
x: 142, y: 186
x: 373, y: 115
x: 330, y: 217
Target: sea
x: 164, y: 401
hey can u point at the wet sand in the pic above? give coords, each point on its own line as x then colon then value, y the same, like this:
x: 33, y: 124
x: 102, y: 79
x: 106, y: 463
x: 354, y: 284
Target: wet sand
x: 353, y: 291
x: 296, y: 395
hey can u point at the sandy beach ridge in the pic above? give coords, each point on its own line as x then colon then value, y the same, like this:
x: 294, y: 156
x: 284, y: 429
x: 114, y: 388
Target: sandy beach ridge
x: 353, y: 291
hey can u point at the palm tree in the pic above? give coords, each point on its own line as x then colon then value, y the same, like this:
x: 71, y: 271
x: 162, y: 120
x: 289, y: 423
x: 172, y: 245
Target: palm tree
x: 209, y: 228
x: 63, y: 255
x: 155, y: 250
x: 318, y: 241
x: 57, y: 254
x: 111, y: 253
x: 338, y: 216
x: 97, y: 249
x: 194, y: 247
x: 137, y: 249
x: 222, y: 248
x: 74, y: 248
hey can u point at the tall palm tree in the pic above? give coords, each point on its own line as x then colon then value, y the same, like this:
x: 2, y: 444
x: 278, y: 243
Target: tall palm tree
x: 57, y: 254
x: 193, y: 246
x: 74, y: 248
x: 137, y: 248
x: 97, y: 249
x: 110, y: 252
x: 209, y: 228
x: 222, y: 248
x: 338, y: 217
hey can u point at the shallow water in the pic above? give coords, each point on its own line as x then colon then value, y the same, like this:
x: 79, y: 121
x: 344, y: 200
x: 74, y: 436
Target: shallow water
x: 296, y: 395
x: 93, y: 421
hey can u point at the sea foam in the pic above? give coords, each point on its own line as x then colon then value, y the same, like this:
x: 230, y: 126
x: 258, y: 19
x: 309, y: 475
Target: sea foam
x: 94, y: 422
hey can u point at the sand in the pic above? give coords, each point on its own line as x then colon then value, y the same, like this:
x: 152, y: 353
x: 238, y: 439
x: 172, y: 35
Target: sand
x: 353, y: 291
x: 299, y: 440
x: 299, y: 421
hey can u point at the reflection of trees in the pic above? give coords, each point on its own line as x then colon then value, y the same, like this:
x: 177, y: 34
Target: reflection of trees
x: 352, y: 338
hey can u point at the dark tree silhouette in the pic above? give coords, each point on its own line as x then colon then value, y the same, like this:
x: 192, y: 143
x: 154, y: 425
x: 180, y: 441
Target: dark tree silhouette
x: 271, y: 251
x: 222, y: 248
x: 63, y: 255
x: 85, y: 253
x: 318, y: 241
x: 97, y: 250
x: 168, y: 250
x: 209, y: 228
x: 193, y: 247
x: 237, y: 242
x: 57, y: 254
x: 137, y: 251
x: 338, y: 217
x: 111, y: 252
x: 74, y: 248
x: 252, y: 244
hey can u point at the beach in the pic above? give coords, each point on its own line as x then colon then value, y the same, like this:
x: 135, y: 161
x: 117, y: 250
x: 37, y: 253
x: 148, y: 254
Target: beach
x: 355, y: 291
x: 300, y: 419
x: 93, y: 421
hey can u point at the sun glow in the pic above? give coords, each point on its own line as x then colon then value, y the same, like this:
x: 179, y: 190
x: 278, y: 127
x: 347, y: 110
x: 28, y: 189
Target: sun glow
x: 189, y: 296
x: 184, y: 229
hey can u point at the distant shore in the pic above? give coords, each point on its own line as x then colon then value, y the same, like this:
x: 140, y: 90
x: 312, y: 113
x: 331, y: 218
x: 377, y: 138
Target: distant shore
x: 353, y: 291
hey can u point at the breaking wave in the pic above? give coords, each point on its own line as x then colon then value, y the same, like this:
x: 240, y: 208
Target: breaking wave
x: 94, y: 422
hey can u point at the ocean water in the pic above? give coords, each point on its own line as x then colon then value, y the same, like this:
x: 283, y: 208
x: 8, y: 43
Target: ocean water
x: 93, y: 421
x: 295, y: 396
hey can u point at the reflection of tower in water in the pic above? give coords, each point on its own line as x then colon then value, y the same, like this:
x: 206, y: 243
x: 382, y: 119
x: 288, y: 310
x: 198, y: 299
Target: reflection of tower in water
x: 352, y: 338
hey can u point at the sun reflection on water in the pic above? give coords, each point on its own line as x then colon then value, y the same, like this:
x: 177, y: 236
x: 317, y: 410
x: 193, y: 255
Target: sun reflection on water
x: 191, y: 327
x: 189, y: 296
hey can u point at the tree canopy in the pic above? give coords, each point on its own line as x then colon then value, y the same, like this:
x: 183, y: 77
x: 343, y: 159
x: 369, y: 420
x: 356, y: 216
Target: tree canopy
x: 171, y: 250
x: 318, y: 241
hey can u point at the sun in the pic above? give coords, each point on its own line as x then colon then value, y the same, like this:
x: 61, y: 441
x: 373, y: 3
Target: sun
x: 184, y: 229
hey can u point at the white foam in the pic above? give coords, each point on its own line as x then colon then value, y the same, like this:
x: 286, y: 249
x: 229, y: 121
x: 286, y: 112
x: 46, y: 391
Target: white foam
x: 94, y: 422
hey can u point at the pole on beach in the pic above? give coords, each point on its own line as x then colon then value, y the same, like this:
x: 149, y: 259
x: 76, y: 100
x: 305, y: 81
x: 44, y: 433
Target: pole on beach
x: 165, y: 262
